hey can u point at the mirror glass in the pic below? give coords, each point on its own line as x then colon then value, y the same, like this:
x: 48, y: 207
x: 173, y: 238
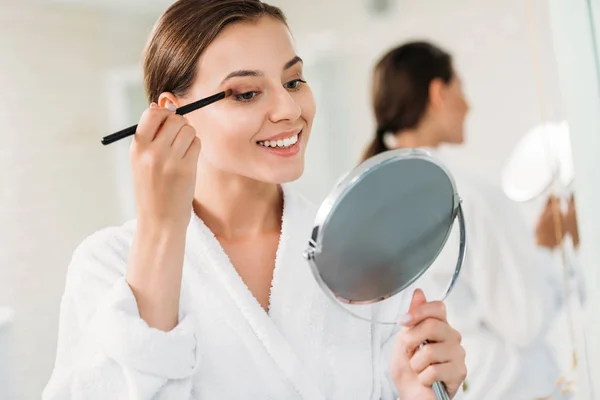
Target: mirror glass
x: 382, y: 227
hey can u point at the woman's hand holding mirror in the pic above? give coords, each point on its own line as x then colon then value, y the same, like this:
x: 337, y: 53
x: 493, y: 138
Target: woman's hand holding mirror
x: 414, y: 367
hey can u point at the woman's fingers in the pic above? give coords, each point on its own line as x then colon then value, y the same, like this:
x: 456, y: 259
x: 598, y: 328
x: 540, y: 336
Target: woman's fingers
x: 431, y: 330
x: 164, y: 160
x: 150, y: 122
x: 183, y: 141
x: 193, y: 151
x: 436, y: 353
x: 420, y: 309
x: 452, y: 374
x: 169, y: 131
x: 432, y: 309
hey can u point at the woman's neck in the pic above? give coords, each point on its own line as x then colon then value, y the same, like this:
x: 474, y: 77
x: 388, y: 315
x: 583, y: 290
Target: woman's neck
x: 413, y: 140
x: 421, y: 136
x: 235, y: 206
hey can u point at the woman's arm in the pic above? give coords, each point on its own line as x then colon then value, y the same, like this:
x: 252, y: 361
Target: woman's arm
x: 123, y: 334
x: 164, y: 159
x: 105, y: 349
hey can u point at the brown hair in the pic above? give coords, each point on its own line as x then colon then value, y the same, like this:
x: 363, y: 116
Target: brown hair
x: 184, y: 31
x: 401, y: 81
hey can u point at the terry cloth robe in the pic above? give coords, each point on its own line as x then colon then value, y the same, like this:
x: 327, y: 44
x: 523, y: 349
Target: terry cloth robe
x: 225, y: 345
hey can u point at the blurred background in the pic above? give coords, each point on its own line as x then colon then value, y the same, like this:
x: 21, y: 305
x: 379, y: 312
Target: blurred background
x: 70, y: 73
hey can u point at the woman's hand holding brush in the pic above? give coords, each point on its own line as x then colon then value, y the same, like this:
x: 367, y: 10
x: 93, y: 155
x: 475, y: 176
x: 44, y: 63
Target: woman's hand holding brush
x: 164, y: 156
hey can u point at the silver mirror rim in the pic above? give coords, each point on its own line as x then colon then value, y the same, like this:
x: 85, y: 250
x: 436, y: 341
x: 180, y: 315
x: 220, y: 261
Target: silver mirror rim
x: 325, y: 211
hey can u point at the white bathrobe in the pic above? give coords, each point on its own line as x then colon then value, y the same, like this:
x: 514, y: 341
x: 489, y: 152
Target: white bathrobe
x: 225, y: 345
x: 505, y: 299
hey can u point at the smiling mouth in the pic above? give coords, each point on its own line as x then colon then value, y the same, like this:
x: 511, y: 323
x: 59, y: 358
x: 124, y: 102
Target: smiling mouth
x: 281, y: 143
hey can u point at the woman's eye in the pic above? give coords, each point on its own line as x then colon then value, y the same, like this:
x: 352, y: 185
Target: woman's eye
x: 246, y: 96
x: 252, y: 95
x: 295, y: 84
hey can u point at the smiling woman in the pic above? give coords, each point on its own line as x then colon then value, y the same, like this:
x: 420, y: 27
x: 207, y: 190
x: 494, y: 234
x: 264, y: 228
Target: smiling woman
x: 206, y: 294
x: 229, y: 55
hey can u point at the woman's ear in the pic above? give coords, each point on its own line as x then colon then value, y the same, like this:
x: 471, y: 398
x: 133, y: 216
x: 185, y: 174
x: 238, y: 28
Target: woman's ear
x: 167, y: 99
x: 436, y: 93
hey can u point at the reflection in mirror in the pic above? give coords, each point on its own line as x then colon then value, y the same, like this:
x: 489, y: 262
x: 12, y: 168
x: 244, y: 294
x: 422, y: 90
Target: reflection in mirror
x: 540, y: 170
x: 540, y: 163
x: 419, y: 102
x: 577, y: 22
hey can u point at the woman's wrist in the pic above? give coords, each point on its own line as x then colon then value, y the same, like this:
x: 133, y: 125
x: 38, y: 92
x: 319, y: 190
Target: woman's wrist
x: 154, y: 272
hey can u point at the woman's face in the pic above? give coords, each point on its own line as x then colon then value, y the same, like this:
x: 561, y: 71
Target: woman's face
x: 453, y: 111
x: 262, y: 129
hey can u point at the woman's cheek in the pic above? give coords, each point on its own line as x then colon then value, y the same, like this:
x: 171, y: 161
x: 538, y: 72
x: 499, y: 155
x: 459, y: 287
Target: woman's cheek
x: 231, y: 122
x: 246, y: 122
x: 306, y: 101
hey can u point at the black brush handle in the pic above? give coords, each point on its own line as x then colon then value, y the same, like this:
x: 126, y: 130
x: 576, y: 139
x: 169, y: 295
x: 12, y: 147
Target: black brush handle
x: 202, y: 103
x: 181, y: 111
x: 119, y: 135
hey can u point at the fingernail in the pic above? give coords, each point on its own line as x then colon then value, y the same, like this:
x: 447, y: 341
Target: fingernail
x: 171, y: 107
x: 406, y: 319
x: 153, y: 105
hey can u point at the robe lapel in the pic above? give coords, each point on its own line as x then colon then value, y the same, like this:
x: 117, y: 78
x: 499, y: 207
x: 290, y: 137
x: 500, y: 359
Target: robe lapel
x: 250, y: 320
x: 336, y: 345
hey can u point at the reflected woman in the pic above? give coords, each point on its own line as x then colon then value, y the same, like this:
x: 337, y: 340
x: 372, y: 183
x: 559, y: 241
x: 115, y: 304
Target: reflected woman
x: 506, y: 296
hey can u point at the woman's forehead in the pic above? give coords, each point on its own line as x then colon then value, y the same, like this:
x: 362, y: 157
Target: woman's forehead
x: 265, y: 45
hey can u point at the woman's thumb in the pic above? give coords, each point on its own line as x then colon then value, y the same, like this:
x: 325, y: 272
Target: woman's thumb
x: 418, y: 299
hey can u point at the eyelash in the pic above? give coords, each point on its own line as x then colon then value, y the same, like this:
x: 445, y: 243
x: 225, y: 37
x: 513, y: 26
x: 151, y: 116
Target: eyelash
x: 241, y: 99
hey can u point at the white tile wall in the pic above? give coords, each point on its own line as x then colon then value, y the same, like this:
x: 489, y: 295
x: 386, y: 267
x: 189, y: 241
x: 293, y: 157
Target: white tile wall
x: 57, y: 179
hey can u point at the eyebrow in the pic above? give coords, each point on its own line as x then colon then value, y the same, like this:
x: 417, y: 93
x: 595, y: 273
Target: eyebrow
x: 246, y: 72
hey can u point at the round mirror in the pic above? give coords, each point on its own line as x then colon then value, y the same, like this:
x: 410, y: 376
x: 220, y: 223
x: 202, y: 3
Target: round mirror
x: 541, y: 155
x: 382, y: 227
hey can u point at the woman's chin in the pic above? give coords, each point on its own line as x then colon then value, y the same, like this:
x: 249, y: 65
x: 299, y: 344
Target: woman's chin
x: 285, y: 175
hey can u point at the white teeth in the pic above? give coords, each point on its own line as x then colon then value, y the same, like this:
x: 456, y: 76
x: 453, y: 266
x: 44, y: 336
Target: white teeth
x: 282, y: 143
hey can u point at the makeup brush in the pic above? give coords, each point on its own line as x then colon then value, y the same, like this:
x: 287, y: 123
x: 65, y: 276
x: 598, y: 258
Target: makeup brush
x: 181, y: 111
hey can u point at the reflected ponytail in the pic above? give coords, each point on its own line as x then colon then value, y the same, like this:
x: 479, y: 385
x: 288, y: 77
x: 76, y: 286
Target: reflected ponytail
x: 400, y: 92
x: 377, y: 145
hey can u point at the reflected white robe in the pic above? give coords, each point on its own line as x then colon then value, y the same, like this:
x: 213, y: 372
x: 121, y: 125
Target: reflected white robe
x: 505, y: 299
x: 225, y: 345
